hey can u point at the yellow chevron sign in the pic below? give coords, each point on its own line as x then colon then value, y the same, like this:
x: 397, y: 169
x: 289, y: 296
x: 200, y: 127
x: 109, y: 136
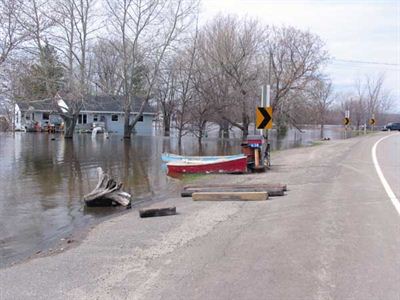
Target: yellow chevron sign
x: 264, y: 117
x: 346, y: 121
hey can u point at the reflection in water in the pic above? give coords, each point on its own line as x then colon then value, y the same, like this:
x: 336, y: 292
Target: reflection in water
x: 44, y: 180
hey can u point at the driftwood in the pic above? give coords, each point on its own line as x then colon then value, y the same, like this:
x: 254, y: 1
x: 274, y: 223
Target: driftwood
x: 107, y: 192
x: 157, y: 212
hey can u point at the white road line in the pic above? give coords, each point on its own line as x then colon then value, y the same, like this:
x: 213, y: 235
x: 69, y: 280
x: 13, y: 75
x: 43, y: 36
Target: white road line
x: 385, y: 184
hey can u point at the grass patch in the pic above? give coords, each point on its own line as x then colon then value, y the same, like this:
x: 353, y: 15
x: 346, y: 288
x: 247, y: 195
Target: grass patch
x: 186, y: 178
x: 316, y: 143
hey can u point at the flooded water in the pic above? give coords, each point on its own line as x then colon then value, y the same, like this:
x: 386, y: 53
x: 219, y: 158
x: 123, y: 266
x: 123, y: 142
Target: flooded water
x: 43, y: 180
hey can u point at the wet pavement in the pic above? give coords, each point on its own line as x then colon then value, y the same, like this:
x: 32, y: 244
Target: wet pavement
x: 44, y: 177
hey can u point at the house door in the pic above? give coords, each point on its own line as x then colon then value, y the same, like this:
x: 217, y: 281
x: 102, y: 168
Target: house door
x: 103, y: 121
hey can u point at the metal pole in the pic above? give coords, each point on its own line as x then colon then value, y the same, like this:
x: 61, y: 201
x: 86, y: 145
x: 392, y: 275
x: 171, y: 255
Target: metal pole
x: 267, y: 103
x: 373, y: 124
x: 347, y: 115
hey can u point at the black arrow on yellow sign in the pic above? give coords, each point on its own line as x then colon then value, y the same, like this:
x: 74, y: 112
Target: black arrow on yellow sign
x: 372, y: 121
x: 346, y: 121
x: 264, y: 117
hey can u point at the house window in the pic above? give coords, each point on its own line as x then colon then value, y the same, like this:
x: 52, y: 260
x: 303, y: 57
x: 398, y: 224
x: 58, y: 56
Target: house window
x: 114, y: 118
x: 95, y: 118
x: 140, y: 118
x: 45, y: 116
x: 82, y: 119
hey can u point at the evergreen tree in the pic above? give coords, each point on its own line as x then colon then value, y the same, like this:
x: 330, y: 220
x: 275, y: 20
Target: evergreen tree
x: 45, y: 78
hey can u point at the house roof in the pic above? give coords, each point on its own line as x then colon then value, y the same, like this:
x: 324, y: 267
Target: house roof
x: 45, y: 105
x: 93, y: 103
x: 114, y: 104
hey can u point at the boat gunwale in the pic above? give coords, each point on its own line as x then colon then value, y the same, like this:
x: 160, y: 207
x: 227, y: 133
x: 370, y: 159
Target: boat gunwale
x: 204, y: 162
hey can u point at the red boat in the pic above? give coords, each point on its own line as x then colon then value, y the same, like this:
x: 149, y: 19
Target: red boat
x: 232, y: 165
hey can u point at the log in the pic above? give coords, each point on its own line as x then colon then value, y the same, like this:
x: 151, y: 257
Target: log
x: 263, y: 185
x: 107, y: 192
x: 271, y: 191
x: 230, y: 196
x: 157, y: 212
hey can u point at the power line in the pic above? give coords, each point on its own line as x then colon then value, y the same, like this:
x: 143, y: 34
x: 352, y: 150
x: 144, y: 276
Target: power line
x: 360, y: 67
x: 365, y: 62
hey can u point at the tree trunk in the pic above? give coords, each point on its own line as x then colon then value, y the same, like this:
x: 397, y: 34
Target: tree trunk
x: 179, y: 138
x: 245, y: 132
x: 245, y: 129
x: 322, y: 124
x: 127, y: 127
x: 167, y: 125
x: 224, y: 130
x: 69, y: 126
x: 201, y: 132
x: 245, y: 126
x: 322, y: 130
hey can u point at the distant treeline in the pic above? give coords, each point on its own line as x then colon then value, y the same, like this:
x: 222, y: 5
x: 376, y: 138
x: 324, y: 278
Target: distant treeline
x: 158, y: 52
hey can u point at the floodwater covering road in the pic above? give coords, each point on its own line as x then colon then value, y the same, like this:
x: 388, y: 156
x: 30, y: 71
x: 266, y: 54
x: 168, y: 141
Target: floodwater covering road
x: 44, y: 180
x: 335, y: 235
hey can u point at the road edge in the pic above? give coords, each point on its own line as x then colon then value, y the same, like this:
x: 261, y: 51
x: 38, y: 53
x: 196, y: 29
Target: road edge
x: 382, y: 178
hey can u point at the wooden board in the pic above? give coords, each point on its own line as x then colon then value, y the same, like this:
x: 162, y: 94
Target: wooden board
x: 230, y: 196
x: 264, y: 185
x: 271, y: 191
x: 157, y: 212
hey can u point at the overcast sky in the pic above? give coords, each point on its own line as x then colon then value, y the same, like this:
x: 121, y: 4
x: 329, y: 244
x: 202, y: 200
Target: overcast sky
x: 367, y: 31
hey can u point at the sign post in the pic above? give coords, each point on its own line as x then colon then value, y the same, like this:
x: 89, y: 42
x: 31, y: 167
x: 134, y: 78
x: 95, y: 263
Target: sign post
x: 264, y: 121
x: 372, y: 122
x: 346, y: 122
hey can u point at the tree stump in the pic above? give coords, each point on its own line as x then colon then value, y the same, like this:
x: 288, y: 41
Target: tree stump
x: 107, y: 192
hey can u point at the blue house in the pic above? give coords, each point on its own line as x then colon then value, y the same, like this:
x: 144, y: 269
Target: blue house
x: 103, y: 111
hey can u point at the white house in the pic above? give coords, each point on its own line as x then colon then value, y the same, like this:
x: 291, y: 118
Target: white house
x: 105, y: 111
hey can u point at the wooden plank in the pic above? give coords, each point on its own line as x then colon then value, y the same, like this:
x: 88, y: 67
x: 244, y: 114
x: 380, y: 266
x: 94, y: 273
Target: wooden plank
x: 157, y: 212
x: 264, y: 185
x: 271, y: 191
x: 230, y: 196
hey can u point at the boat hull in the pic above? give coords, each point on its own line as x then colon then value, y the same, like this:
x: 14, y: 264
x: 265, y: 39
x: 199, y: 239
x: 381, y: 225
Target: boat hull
x: 168, y: 157
x: 236, y: 165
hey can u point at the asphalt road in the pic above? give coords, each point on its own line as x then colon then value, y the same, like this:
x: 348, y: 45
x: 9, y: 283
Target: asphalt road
x: 388, y: 155
x: 335, y: 235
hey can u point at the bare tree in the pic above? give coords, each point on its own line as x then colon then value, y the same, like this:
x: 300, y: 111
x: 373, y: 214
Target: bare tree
x: 230, y: 48
x: 106, y: 63
x: 146, y: 30
x: 184, y: 92
x: 76, y: 23
x: 294, y: 60
x: 165, y: 94
x: 369, y: 98
x: 35, y: 19
x: 359, y: 110
x: 12, y: 34
x: 378, y: 99
x: 322, y: 98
